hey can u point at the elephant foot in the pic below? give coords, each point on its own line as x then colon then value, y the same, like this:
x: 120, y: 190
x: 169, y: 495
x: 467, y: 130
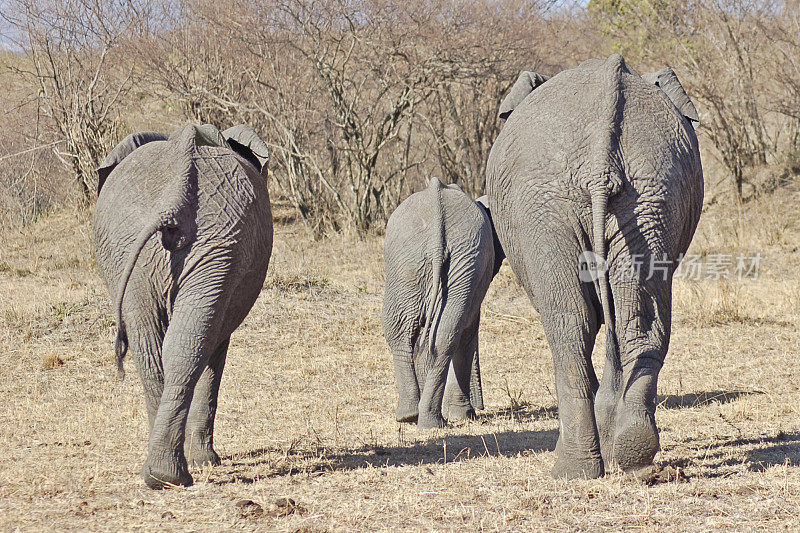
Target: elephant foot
x: 164, y: 474
x: 458, y: 412
x: 202, y: 456
x: 635, y: 441
x: 430, y: 421
x: 575, y: 468
x: 578, y: 446
x: 157, y: 480
x: 605, y: 415
x: 407, y: 412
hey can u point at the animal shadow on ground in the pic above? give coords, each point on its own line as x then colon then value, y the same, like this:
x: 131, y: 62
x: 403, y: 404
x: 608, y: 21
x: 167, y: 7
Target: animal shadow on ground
x: 520, y: 413
x: 439, y: 449
x: 312, y: 457
x: 450, y: 448
x: 529, y: 413
x: 727, y: 457
x: 781, y: 449
x: 698, y: 399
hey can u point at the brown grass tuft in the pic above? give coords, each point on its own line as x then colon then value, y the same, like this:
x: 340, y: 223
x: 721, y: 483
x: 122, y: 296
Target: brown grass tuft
x: 297, y: 282
x: 52, y: 361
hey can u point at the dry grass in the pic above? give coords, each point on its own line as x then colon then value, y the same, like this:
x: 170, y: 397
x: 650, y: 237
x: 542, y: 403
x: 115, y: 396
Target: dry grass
x: 305, y: 425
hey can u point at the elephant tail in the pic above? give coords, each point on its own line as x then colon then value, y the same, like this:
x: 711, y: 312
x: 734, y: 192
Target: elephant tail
x: 599, y: 198
x: 475, y: 386
x: 437, y: 254
x: 121, y: 343
x: 607, y: 180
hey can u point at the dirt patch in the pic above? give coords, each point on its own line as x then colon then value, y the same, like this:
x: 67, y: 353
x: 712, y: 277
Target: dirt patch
x: 656, y: 474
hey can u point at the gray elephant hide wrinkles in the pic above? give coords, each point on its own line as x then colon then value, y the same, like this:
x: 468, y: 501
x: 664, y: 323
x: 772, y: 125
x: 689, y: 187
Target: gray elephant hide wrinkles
x: 600, y: 159
x: 179, y: 300
x: 440, y: 258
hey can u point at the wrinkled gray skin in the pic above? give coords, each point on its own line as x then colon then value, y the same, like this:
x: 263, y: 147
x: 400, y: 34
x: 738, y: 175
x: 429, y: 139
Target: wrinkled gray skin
x: 441, y: 254
x: 599, y: 159
x: 179, y: 297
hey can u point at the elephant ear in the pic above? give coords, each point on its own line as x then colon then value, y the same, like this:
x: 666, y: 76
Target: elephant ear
x: 123, y: 150
x: 208, y: 135
x: 499, y: 253
x: 456, y: 187
x: 525, y: 84
x: 668, y: 82
x: 246, y: 142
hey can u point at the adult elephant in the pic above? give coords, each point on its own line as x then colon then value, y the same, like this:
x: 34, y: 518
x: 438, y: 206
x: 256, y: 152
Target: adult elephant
x: 441, y: 253
x: 179, y: 300
x: 598, y: 159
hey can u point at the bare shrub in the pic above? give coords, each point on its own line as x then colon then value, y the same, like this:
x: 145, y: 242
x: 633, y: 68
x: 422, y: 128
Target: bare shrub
x: 31, y: 178
x: 487, y: 46
x: 360, y: 101
x: 27, y: 187
x: 724, y: 51
x: 74, y: 64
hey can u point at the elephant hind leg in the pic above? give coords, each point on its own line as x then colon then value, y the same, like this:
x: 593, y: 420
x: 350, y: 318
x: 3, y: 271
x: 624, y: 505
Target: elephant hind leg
x: 455, y: 404
x: 454, y: 327
x: 146, y: 337
x: 193, y: 336
x: 401, y: 329
x: 570, y: 324
x: 184, y: 358
x: 199, y: 443
x: 458, y: 393
x: 578, y: 443
x: 407, y: 386
x: 629, y: 436
x: 400, y: 339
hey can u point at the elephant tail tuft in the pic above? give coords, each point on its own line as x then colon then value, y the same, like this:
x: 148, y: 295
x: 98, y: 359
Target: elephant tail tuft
x: 121, y: 348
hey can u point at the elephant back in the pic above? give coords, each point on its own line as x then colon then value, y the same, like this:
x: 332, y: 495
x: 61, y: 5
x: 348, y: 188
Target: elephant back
x: 599, y: 123
x: 415, y: 219
x: 128, y: 199
x: 232, y: 194
x: 228, y: 201
x: 424, y: 222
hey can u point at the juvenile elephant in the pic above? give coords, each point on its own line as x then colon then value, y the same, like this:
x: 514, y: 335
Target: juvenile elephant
x: 599, y: 162
x: 441, y: 254
x: 179, y: 298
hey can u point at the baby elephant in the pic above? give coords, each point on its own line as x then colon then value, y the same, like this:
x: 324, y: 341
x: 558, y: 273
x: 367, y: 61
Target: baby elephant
x: 441, y: 254
x: 179, y: 297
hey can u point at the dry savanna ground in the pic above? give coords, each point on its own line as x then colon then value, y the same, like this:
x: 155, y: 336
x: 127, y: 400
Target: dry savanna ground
x: 305, y: 423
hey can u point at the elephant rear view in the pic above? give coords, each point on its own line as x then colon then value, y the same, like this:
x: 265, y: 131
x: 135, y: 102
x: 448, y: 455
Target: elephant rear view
x: 179, y: 297
x: 440, y: 255
x: 596, y: 187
